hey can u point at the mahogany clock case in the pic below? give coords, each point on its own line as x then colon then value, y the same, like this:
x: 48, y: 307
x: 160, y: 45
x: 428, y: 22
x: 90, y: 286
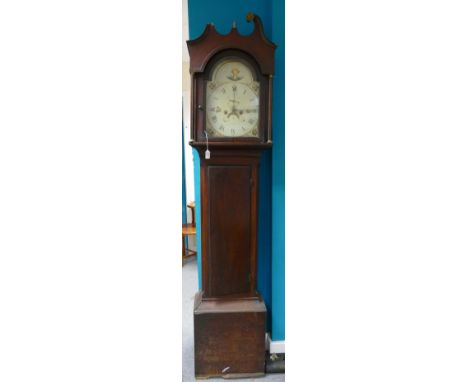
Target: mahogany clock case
x: 229, y: 313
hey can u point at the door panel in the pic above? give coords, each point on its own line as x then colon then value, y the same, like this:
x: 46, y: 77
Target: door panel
x: 229, y: 229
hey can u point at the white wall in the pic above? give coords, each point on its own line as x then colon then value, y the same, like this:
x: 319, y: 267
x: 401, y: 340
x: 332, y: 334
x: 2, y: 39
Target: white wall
x: 186, y: 103
x: 189, y: 179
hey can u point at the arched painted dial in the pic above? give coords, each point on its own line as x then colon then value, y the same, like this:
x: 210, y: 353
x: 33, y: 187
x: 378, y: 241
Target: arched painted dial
x: 232, y: 104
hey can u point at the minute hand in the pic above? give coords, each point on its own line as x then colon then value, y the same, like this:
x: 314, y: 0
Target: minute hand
x: 234, y: 110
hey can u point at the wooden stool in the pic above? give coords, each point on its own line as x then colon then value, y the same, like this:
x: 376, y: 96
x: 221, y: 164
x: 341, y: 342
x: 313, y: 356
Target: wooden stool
x: 188, y: 230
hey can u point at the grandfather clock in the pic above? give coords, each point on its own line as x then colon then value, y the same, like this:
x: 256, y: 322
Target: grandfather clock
x: 230, y: 127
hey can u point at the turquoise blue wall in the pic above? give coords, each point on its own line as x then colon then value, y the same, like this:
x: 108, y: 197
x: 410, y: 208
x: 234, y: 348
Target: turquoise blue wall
x: 277, y: 178
x: 270, y: 258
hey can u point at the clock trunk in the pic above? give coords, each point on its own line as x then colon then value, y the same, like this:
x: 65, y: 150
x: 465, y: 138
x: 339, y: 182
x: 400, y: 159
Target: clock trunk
x: 229, y: 219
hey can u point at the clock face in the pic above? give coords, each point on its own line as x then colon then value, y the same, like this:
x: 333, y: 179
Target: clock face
x: 232, y: 100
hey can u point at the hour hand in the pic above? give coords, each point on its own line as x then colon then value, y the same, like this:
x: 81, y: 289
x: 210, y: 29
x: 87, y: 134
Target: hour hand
x: 233, y: 112
x: 250, y: 110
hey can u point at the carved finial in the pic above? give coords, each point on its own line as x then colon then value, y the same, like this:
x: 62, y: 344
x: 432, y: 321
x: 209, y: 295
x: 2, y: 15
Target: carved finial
x: 258, y: 26
x: 234, y: 25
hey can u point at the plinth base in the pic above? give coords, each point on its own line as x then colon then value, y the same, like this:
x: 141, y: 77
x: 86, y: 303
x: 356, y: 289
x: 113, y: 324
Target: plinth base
x: 229, y: 337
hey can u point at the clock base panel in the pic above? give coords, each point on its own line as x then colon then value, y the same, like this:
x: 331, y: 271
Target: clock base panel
x: 229, y: 338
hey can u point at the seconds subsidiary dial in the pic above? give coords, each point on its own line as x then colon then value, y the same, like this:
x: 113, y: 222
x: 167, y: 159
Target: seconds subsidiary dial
x: 232, y: 103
